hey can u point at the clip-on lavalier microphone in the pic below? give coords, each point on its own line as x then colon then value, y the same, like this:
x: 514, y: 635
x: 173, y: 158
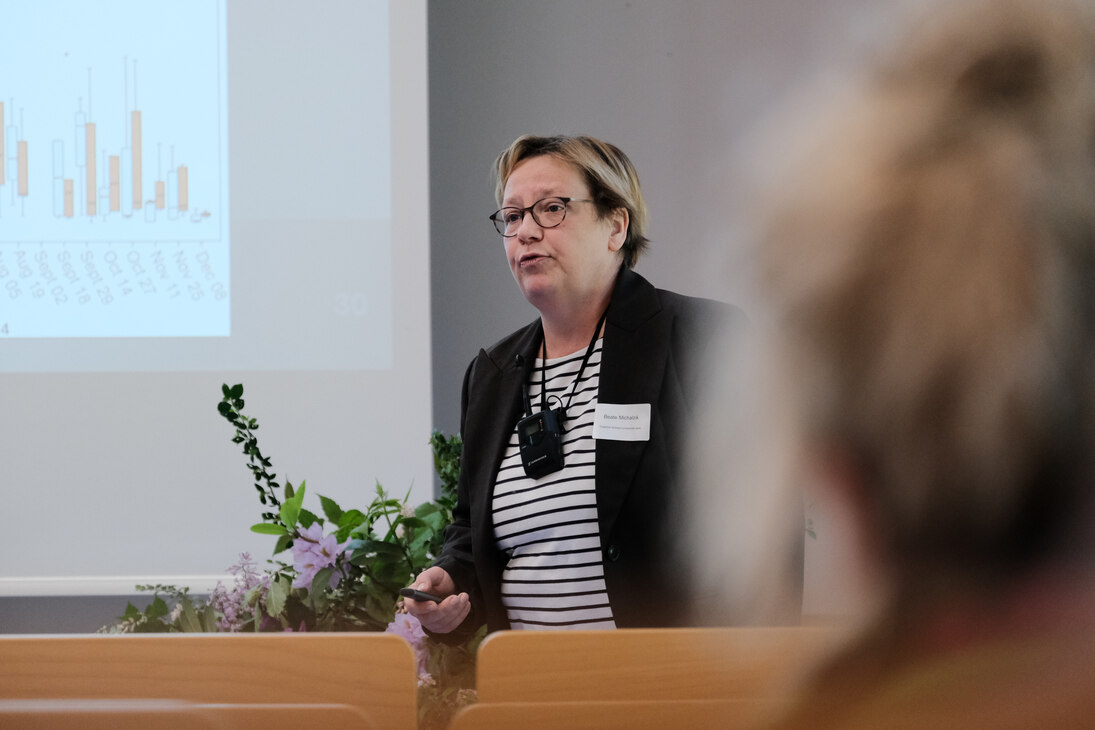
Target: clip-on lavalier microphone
x: 540, y: 438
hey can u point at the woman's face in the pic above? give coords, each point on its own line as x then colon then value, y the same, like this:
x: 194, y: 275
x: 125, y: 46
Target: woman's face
x: 573, y: 264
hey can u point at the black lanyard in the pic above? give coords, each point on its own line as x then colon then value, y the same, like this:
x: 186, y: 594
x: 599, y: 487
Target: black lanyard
x: 574, y: 386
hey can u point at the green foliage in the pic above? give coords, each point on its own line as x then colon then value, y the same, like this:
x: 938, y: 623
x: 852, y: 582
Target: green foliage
x: 388, y: 544
x: 446, y: 462
x: 231, y: 407
x: 187, y: 616
x: 373, y: 553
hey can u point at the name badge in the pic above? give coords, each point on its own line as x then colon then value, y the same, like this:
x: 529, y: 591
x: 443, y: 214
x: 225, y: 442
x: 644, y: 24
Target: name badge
x: 622, y: 422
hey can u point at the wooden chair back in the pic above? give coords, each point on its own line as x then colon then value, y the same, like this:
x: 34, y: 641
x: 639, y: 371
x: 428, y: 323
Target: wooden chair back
x: 69, y: 714
x: 372, y: 673
x: 265, y: 716
x: 77, y: 714
x: 637, y: 665
x: 643, y: 715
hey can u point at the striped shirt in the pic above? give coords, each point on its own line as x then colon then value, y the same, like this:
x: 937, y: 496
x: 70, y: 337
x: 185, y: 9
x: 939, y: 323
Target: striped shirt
x: 548, y: 527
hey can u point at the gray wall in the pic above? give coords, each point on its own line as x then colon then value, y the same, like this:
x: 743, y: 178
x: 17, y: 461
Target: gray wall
x: 674, y: 83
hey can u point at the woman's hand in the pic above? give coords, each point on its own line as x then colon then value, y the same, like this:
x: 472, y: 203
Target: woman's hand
x: 441, y: 618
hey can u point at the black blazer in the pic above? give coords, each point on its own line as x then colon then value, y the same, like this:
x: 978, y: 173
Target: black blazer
x: 655, y: 343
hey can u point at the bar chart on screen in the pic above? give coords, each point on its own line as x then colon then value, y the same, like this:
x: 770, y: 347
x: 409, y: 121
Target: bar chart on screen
x: 114, y: 218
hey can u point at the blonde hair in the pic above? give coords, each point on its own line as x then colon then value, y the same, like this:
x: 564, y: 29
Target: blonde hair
x: 612, y: 179
x: 932, y: 274
x: 926, y: 307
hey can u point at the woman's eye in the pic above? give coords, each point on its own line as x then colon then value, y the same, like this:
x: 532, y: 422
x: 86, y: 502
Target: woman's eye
x: 512, y: 216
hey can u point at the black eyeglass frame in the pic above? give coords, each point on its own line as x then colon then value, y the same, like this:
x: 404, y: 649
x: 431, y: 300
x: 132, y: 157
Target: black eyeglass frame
x: 500, y: 224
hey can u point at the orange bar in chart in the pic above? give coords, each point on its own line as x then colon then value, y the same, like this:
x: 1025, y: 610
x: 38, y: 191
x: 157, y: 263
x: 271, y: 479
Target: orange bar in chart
x: 90, y: 163
x: 115, y: 183
x: 184, y: 192
x: 22, y: 162
x: 161, y: 198
x: 135, y: 145
x: 1, y: 143
x: 69, y: 207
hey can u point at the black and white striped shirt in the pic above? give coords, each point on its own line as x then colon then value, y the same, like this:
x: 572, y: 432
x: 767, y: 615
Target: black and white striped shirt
x: 548, y: 527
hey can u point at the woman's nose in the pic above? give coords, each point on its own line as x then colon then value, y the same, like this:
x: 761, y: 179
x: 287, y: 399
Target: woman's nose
x: 529, y: 228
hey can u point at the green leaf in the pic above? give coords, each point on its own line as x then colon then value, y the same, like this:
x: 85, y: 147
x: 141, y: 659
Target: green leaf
x: 236, y: 391
x: 331, y: 509
x: 188, y: 619
x: 284, y: 543
x: 420, y: 540
x: 376, y: 610
x: 320, y: 585
x: 426, y: 508
x: 307, y: 519
x: 265, y: 528
x: 351, y: 519
x: 372, y: 551
x: 290, y: 509
x: 275, y: 599
x: 156, y: 609
x: 413, y: 522
x: 209, y: 619
x: 436, y: 521
x: 382, y: 548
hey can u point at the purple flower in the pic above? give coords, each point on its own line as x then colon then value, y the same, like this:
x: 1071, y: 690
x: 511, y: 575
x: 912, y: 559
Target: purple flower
x: 312, y: 552
x: 411, y: 630
x: 409, y: 627
x: 232, y: 604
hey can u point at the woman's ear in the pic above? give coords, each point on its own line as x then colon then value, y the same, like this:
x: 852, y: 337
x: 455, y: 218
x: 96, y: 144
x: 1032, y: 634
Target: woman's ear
x: 618, y: 220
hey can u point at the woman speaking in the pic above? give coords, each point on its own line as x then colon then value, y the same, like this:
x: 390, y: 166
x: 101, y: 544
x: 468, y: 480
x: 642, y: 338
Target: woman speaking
x: 574, y: 426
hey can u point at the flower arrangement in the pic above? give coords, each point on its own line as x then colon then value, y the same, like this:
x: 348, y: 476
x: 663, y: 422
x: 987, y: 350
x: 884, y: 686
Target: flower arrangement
x: 339, y: 570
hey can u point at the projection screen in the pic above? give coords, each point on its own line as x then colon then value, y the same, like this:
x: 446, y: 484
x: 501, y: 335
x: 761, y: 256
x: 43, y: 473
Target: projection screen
x: 191, y: 194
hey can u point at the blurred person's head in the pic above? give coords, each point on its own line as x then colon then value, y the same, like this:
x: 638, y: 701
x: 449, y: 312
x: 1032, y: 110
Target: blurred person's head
x: 926, y: 324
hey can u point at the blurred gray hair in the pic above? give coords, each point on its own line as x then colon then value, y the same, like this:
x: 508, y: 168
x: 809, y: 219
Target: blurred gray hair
x: 925, y: 269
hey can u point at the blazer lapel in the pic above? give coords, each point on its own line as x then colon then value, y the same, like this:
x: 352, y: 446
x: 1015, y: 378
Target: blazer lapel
x: 633, y: 362
x: 509, y: 369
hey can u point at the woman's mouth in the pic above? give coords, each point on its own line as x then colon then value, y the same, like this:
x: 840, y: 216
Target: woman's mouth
x: 532, y: 258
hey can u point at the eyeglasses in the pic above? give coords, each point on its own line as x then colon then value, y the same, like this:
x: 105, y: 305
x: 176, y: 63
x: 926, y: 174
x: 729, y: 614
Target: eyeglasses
x: 547, y: 212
